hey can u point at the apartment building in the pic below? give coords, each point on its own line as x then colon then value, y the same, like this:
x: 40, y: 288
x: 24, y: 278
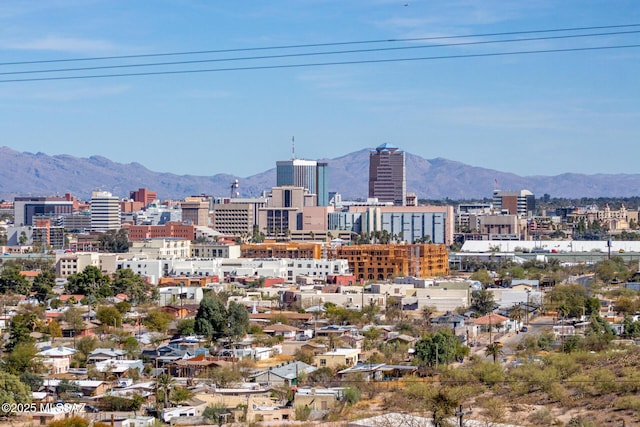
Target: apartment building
x: 282, y: 250
x: 380, y: 262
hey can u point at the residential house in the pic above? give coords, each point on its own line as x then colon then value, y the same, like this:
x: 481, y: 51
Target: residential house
x: 197, y: 366
x: 286, y: 374
x: 102, y: 354
x: 336, y: 358
x: 86, y: 387
x: 57, y: 359
x: 318, y: 399
x: 119, y: 367
x: 378, y: 372
x: 278, y: 329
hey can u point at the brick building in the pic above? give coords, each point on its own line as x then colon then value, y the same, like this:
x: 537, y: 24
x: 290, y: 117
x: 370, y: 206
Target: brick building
x: 170, y: 230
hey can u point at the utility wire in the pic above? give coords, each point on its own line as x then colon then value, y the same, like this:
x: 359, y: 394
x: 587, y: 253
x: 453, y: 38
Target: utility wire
x: 415, y: 39
x: 320, y: 64
x: 307, y: 54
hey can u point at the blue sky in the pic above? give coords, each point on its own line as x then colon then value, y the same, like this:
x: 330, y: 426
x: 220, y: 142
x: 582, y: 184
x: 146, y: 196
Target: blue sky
x: 537, y: 114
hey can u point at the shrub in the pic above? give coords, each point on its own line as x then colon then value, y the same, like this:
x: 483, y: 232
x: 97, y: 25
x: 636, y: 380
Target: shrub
x: 302, y: 413
x: 541, y: 417
x: 628, y: 402
x: 351, y: 395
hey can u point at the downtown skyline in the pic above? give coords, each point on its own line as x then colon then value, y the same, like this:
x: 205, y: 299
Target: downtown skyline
x: 529, y: 114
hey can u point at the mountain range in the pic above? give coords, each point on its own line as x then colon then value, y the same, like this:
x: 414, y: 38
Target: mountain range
x: 23, y: 174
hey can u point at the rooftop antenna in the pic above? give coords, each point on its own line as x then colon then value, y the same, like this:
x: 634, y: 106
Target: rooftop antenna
x: 293, y: 148
x: 234, y: 189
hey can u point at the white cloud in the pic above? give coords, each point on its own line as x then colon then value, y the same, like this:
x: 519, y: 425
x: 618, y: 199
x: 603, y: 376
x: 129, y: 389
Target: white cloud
x: 79, y: 93
x: 62, y: 44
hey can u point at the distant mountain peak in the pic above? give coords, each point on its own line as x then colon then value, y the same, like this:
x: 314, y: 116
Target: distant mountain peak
x: 438, y: 178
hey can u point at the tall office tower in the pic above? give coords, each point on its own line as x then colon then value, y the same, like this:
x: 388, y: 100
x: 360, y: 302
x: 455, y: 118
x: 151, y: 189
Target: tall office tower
x: 521, y: 202
x: 105, y: 211
x: 387, y: 177
x: 309, y: 174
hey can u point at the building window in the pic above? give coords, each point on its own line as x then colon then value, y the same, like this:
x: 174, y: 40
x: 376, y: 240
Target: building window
x: 323, y: 362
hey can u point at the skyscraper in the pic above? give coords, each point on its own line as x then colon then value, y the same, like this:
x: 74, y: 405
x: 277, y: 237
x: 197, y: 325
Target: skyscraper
x: 105, y: 211
x: 308, y: 174
x: 387, y: 177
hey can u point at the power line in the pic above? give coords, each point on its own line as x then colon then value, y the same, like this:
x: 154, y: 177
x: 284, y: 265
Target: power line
x: 320, y: 64
x: 414, y: 39
x: 306, y: 54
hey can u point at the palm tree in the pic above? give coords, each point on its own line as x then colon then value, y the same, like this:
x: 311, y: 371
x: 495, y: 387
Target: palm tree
x: 165, y: 382
x: 494, y: 350
x: 517, y: 314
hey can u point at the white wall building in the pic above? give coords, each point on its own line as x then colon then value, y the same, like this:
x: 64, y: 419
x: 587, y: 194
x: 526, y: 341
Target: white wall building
x: 105, y: 211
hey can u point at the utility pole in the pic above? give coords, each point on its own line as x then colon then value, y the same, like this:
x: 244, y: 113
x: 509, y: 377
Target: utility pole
x: 460, y: 414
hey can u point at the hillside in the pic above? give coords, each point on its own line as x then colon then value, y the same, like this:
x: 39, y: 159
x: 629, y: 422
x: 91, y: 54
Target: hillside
x: 41, y: 174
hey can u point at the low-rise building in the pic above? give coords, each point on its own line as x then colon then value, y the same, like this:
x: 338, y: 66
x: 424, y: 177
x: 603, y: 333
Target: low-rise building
x: 337, y: 357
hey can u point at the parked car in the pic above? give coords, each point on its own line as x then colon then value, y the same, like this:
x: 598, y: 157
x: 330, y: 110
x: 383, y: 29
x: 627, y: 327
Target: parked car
x: 524, y: 329
x: 91, y: 408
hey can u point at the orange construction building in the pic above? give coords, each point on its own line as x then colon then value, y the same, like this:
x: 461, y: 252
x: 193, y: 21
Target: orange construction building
x: 282, y: 250
x: 380, y: 262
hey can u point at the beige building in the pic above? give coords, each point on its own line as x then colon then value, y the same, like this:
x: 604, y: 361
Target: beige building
x: 339, y: 357
x: 215, y: 250
x: 73, y: 263
x: 500, y: 227
x: 161, y: 248
x: 318, y: 399
x: 195, y: 210
x: 237, y: 217
x: 280, y: 216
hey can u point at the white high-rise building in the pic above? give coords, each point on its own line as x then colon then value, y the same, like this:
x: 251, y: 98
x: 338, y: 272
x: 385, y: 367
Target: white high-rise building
x: 105, y: 211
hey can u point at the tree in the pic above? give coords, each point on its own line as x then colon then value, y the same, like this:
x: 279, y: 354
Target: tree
x: 427, y: 312
x: 517, y: 314
x: 85, y: 346
x: 494, y: 350
x: 237, y: 320
x: 12, y: 391
x: 186, y: 327
x: 11, y: 281
x: 439, y: 348
x: 114, y: 241
x: 43, y: 285
x: 109, y: 316
x: 482, y: 301
x: 211, y: 319
x: 215, y: 413
x: 22, y: 358
x: 482, y: 276
x: 32, y: 380
x: 157, y: 320
x: 441, y: 403
x: 165, y: 383
x: 54, y: 330
x: 20, y: 331
x: 125, y: 281
x: 89, y: 282
x: 180, y: 395
x: 73, y: 317
x: 223, y: 376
